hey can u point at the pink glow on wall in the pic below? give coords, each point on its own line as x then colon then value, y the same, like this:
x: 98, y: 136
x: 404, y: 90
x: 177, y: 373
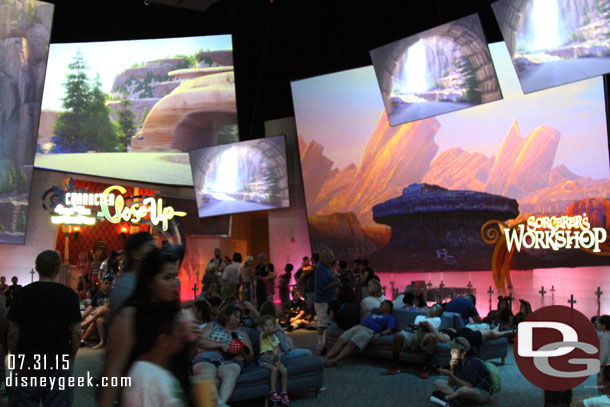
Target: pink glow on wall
x: 581, y: 282
x: 199, y: 250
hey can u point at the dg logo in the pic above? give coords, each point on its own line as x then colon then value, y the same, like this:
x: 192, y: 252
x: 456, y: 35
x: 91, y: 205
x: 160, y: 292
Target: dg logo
x: 557, y: 348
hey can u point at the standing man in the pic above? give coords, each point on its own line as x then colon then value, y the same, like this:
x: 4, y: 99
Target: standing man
x: 299, y: 274
x: 12, y: 291
x: 308, y: 278
x: 260, y: 272
x: 216, y: 260
x: 325, y: 292
x: 44, y: 323
x: 230, y: 277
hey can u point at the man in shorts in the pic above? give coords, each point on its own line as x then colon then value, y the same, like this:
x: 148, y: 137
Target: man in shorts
x: 468, y: 380
x: 359, y: 336
x: 325, y: 292
x: 423, y: 338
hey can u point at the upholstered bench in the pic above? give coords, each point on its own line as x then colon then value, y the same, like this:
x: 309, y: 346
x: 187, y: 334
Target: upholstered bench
x: 306, y: 372
x: 382, y: 346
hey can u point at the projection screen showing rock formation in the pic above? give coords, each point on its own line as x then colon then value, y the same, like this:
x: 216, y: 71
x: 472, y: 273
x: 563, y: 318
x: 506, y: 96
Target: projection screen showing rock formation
x: 241, y: 177
x: 554, y: 42
x: 415, y: 196
x: 25, y: 30
x: 134, y: 109
x: 441, y: 70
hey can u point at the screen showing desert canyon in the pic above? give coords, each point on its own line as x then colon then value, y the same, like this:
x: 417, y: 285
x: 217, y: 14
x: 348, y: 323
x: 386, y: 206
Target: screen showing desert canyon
x: 554, y: 42
x: 134, y: 109
x: 416, y: 196
x: 241, y: 177
x: 441, y: 70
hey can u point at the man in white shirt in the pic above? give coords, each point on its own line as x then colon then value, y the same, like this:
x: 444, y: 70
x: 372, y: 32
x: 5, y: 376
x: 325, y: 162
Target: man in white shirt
x: 230, y: 277
x: 422, y: 338
x: 158, y: 337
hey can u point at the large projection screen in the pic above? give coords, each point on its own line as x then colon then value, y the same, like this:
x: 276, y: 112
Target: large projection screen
x: 241, y: 177
x: 25, y: 30
x: 554, y: 42
x: 134, y: 109
x: 440, y: 70
x: 546, y: 151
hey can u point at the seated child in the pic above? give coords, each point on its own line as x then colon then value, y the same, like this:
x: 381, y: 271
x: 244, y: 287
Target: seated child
x: 269, y: 358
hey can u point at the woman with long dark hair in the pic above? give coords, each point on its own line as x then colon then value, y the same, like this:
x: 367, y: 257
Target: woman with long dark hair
x: 157, y: 282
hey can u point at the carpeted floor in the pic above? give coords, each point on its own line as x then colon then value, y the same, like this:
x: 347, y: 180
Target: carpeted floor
x: 360, y: 381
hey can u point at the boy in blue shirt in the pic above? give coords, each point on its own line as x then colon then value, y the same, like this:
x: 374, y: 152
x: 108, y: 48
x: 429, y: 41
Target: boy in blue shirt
x: 468, y: 380
x: 373, y: 326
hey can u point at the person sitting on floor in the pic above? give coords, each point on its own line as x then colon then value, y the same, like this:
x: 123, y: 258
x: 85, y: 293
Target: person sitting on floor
x: 359, y: 336
x: 270, y: 358
x: 423, y: 338
x: 97, y: 315
x: 468, y: 380
x: 298, y: 316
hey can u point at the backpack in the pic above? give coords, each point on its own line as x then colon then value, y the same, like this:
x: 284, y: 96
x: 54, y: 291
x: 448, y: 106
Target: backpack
x: 348, y: 314
x: 495, y: 382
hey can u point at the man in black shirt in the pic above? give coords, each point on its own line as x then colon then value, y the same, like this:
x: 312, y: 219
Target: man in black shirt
x: 306, y: 278
x: 44, y: 326
x: 299, y: 314
x: 13, y: 290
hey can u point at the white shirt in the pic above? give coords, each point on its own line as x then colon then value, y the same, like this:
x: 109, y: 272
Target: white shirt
x: 435, y: 321
x: 231, y: 273
x: 398, y: 304
x: 152, y: 386
x: 604, y: 348
x: 600, y: 401
x: 369, y: 304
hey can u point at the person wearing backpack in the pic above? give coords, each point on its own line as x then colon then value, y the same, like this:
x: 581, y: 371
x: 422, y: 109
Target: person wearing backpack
x: 345, y: 310
x: 468, y: 380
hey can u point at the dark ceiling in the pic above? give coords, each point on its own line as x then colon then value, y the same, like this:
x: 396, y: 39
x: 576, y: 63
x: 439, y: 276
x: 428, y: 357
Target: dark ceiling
x: 273, y: 42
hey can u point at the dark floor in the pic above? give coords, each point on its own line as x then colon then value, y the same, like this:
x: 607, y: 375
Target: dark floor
x: 360, y: 381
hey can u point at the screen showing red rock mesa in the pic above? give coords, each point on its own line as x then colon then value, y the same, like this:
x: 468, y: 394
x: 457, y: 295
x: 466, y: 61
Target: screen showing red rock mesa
x: 134, y: 109
x: 415, y: 196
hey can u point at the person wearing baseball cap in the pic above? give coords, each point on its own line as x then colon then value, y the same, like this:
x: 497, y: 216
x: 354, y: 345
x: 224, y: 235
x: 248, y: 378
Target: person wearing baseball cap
x: 468, y: 380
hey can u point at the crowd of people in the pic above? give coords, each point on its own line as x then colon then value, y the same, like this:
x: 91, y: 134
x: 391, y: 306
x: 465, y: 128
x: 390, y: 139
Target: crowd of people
x: 132, y: 308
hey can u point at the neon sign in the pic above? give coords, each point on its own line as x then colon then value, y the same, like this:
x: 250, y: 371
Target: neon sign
x: 88, y: 199
x: 556, y: 232
x: 137, y: 211
x: 75, y: 215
